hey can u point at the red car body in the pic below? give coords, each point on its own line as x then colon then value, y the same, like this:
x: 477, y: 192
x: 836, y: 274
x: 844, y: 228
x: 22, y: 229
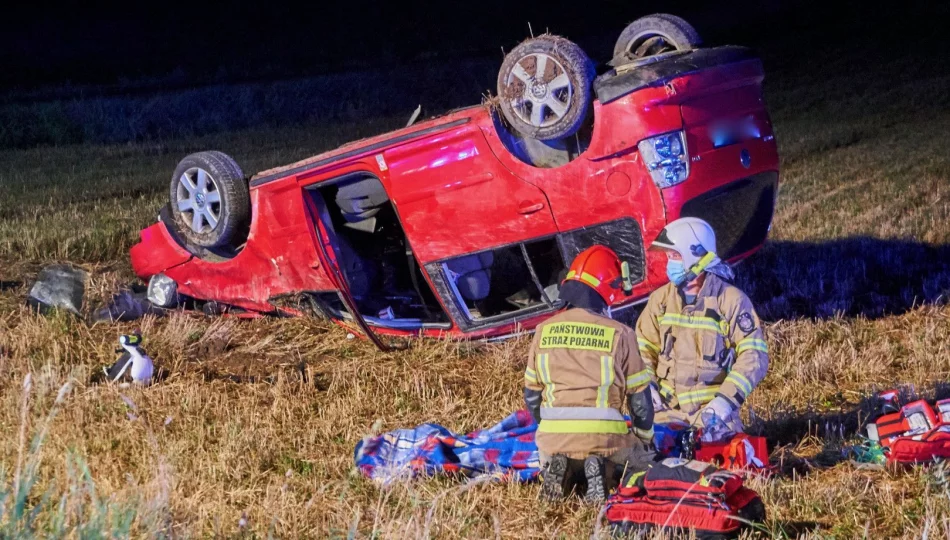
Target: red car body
x: 458, y: 189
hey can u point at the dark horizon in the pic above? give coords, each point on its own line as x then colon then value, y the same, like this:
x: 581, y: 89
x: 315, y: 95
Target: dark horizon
x: 201, y: 43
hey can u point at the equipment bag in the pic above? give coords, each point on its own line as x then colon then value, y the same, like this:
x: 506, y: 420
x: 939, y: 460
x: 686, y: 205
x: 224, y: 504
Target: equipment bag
x: 678, y: 495
x: 935, y: 444
x: 741, y: 452
x: 915, y: 433
x: 679, y: 478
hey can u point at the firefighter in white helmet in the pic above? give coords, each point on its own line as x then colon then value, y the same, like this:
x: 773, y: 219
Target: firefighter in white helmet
x: 701, y: 335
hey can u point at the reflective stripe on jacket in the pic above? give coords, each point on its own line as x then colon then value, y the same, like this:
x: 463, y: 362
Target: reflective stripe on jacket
x: 584, y: 365
x: 715, y: 346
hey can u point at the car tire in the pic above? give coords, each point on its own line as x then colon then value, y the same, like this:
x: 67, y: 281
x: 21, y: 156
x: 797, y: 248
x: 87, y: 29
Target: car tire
x: 656, y: 34
x: 552, y: 104
x: 209, y: 199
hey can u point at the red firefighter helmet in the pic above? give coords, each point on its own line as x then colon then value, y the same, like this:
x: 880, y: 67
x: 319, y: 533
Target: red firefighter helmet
x: 601, y: 269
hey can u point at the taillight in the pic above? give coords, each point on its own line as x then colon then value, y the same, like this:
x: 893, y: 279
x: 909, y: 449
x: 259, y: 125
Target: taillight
x: 666, y: 158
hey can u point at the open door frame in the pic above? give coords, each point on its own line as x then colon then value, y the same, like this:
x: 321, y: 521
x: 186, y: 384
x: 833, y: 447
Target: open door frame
x: 338, y: 279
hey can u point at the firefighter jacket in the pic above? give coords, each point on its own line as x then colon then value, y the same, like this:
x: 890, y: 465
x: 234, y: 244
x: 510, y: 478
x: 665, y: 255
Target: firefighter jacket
x: 584, y: 365
x: 715, y: 346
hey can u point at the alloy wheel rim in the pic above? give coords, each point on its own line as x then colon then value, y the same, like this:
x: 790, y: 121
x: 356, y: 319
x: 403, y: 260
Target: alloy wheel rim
x: 199, y: 200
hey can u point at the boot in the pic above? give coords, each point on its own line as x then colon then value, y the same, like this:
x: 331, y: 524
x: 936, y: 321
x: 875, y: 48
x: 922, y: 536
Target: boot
x: 554, y: 477
x: 595, y: 471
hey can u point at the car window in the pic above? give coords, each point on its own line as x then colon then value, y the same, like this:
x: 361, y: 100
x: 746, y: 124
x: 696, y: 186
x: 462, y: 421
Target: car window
x: 548, y: 264
x: 524, y: 279
x: 503, y: 282
x: 622, y: 235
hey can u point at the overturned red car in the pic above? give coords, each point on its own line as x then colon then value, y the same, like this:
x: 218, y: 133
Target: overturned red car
x: 464, y: 225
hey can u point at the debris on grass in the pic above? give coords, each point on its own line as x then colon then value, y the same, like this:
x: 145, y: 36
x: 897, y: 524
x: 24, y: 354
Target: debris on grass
x: 127, y: 305
x: 59, y: 286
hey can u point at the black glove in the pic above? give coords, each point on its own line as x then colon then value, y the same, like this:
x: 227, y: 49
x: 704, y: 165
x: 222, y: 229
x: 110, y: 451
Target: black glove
x: 532, y: 401
x: 640, y: 405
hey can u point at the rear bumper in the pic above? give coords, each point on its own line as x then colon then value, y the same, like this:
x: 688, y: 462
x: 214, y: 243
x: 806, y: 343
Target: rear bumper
x: 620, y: 82
x: 740, y: 212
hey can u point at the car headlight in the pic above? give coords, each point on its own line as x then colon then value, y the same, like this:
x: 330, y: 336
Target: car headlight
x: 666, y: 158
x: 162, y: 291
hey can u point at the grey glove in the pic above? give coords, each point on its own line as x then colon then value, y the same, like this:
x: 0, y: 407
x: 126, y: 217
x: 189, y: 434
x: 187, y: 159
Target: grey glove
x: 714, y: 417
x: 716, y: 411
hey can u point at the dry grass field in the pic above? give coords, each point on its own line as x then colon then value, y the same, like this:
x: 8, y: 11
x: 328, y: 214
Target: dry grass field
x: 253, y: 432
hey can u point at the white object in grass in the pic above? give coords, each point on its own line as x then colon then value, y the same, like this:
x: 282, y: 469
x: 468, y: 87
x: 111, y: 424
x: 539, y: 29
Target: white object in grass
x: 134, y: 364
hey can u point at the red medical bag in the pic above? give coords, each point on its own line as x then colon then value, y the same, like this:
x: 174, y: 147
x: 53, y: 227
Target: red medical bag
x: 740, y: 452
x: 914, y: 434
x: 677, y: 495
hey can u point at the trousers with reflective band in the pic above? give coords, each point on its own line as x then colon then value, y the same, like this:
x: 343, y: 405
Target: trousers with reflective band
x: 583, y: 426
x: 581, y: 413
x: 572, y: 335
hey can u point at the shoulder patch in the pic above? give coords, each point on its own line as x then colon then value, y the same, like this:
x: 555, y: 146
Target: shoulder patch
x: 745, y: 322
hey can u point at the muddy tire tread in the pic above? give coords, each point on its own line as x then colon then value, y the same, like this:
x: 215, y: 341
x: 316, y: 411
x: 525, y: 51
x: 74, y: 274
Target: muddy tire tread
x: 235, y: 199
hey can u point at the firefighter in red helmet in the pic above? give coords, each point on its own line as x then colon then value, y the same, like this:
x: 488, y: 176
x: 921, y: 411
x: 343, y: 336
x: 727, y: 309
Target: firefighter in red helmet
x: 582, y: 368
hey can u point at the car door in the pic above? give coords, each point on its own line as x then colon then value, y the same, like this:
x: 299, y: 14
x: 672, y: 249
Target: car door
x: 602, y: 196
x: 328, y: 260
x: 454, y: 197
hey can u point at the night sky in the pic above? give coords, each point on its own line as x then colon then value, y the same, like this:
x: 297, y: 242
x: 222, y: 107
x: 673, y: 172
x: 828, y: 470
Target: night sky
x: 113, y: 42
x: 103, y: 42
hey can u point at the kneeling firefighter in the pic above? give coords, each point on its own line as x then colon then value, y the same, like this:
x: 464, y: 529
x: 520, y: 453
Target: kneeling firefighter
x: 582, y: 367
x: 701, y: 335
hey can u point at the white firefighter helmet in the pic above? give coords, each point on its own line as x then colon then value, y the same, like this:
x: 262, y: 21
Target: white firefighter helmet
x: 691, y: 237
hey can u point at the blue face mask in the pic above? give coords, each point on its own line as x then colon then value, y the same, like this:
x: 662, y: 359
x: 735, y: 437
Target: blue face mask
x: 676, y: 272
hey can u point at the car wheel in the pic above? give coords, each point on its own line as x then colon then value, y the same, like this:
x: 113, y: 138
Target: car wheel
x: 544, y: 87
x: 210, y: 200
x: 656, y: 34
